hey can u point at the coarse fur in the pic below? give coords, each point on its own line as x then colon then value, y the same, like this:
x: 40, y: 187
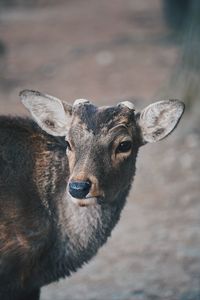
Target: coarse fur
x: 46, y: 234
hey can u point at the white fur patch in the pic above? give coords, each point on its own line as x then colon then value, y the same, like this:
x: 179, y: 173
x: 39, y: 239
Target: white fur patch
x: 128, y: 104
x: 80, y: 223
x: 80, y: 101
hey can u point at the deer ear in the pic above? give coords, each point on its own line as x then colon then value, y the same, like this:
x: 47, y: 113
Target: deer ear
x: 50, y: 113
x: 159, y: 119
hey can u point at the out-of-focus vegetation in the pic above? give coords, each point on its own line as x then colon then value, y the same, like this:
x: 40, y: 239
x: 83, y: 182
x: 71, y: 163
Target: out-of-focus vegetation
x: 176, y: 13
x: 183, y: 16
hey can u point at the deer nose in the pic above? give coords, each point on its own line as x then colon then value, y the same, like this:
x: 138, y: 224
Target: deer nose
x: 79, y: 189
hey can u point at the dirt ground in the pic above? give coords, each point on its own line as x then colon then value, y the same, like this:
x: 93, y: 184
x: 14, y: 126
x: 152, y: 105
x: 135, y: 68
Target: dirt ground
x: 110, y: 51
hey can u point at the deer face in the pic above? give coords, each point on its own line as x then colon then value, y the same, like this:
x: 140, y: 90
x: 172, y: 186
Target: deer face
x: 102, y: 143
x: 102, y: 147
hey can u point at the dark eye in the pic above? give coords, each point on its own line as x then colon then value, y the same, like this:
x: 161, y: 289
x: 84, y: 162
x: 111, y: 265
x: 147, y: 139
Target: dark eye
x: 68, y: 146
x: 124, y: 147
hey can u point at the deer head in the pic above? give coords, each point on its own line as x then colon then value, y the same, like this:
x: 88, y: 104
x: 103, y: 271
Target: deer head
x: 102, y: 143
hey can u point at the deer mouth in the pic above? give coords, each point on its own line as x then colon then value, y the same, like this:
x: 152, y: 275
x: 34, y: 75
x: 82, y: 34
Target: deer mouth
x: 85, y: 202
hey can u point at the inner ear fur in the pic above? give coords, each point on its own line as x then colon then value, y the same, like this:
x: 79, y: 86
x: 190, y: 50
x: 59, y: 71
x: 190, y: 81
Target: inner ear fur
x: 159, y: 119
x: 51, y: 114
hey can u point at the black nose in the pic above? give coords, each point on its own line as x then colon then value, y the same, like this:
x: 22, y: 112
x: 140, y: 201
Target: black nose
x: 79, y: 189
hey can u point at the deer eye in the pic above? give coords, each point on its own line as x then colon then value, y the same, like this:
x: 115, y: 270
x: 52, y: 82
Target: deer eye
x: 124, y: 147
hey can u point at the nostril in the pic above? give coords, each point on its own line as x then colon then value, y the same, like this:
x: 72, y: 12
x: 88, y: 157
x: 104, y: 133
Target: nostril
x: 79, y: 189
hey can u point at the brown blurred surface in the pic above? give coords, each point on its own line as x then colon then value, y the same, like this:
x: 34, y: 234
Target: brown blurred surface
x: 108, y: 51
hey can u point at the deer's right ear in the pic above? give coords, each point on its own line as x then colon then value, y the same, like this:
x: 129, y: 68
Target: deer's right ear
x: 159, y: 119
x: 50, y: 113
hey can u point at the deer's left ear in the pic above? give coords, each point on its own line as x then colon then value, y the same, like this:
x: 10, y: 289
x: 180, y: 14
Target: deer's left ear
x: 159, y: 119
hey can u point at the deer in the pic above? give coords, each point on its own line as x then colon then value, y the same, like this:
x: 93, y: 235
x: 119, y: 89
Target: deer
x: 65, y: 175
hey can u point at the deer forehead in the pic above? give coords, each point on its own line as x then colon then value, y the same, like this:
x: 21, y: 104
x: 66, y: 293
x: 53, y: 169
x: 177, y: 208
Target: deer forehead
x: 97, y: 119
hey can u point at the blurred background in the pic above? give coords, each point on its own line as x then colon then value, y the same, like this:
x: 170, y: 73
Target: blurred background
x: 109, y: 51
